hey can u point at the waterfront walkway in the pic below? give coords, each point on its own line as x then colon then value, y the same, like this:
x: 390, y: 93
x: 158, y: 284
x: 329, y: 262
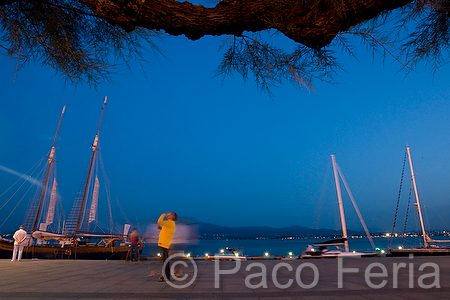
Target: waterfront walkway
x: 288, y: 279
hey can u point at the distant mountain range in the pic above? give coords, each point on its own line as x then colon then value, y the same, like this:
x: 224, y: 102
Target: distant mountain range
x: 212, y: 231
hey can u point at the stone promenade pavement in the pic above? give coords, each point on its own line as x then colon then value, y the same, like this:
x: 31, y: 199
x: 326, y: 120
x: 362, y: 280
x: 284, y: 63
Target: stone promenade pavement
x: 351, y: 278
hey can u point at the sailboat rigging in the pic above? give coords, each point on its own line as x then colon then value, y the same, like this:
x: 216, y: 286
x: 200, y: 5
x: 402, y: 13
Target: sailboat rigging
x: 50, y: 163
x: 71, y: 243
x: 94, y: 150
x: 325, y: 253
x: 426, y: 249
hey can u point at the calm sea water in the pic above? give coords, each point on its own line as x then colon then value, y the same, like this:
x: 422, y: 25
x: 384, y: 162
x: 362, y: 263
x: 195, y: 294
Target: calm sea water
x: 278, y: 247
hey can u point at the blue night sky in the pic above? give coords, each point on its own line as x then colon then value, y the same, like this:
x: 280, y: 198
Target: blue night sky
x: 174, y: 138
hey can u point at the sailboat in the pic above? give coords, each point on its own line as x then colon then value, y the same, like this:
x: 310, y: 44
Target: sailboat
x: 429, y: 247
x: 6, y: 246
x: 323, y: 251
x: 72, y: 241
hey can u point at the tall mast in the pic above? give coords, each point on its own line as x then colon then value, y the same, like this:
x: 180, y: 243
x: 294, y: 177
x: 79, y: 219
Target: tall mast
x: 94, y: 149
x: 417, y: 199
x: 341, y: 207
x: 50, y: 163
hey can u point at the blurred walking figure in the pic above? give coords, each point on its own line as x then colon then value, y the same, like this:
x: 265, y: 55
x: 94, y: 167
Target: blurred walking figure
x: 166, y: 223
x: 19, y: 242
x: 134, y: 245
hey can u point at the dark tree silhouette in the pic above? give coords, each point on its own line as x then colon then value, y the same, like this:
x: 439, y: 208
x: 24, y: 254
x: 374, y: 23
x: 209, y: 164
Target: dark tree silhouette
x: 80, y: 39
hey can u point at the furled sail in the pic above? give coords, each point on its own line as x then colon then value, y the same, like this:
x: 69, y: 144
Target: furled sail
x: 52, y: 204
x: 93, y: 211
x: 44, y: 235
x: 51, y: 208
x: 428, y: 239
x: 126, y: 229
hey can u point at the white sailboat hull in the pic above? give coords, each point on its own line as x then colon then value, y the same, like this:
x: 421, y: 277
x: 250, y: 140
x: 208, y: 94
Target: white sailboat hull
x: 421, y: 251
x: 335, y: 254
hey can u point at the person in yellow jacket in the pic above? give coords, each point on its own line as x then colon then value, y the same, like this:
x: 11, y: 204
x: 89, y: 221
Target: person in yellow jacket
x: 166, y: 223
